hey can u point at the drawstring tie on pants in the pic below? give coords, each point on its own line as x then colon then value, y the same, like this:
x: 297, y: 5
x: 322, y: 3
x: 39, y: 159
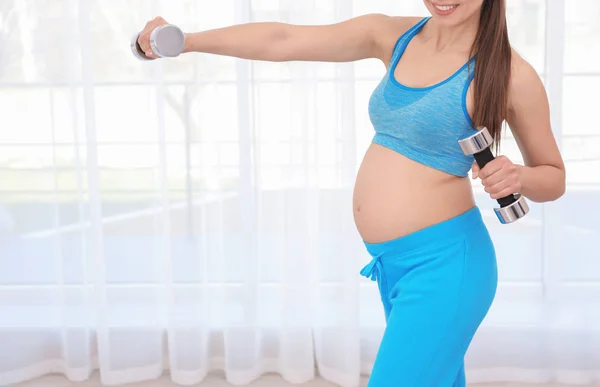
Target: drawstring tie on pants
x: 373, y: 269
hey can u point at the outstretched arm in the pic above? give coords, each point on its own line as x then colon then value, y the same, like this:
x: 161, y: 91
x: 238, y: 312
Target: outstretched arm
x: 350, y: 40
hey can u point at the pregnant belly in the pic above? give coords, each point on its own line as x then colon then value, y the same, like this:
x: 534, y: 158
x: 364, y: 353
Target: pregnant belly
x: 395, y: 196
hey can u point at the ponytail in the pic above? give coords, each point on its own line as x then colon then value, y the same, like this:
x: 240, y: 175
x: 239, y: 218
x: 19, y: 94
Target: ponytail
x: 492, y: 70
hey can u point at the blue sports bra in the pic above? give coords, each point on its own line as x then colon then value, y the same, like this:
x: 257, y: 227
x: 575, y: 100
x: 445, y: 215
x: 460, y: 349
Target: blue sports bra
x: 424, y: 124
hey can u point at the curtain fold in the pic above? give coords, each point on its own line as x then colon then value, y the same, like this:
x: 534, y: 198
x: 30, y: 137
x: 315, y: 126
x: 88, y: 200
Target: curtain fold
x: 195, y: 215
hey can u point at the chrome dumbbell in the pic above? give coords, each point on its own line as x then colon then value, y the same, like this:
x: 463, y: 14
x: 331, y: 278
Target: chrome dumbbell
x: 167, y: 41
x: 512, y: 207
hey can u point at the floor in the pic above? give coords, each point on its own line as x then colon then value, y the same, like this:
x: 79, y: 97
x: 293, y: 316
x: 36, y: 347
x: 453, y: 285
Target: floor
x: 215, y: 381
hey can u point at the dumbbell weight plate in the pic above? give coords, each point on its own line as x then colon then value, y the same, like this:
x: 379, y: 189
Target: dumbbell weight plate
x: 513, y: 212
x: 166, y: 41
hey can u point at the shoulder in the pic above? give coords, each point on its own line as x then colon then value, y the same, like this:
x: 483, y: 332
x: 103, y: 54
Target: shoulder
x: 525, y: 84
x: 522, y: 72
x: 397, y: 23
x: 388, y: 29
x: 385, y: 27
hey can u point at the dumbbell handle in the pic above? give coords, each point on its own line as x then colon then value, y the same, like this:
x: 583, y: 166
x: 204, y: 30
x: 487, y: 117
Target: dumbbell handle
x: 483, y: 158
x: 512, y: 207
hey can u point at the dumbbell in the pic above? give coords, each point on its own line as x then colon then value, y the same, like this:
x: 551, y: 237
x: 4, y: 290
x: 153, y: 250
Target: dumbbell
x: 512, y: 207
x: 166, y: 41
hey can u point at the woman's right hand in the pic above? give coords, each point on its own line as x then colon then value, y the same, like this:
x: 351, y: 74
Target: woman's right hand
x: 144, y: 37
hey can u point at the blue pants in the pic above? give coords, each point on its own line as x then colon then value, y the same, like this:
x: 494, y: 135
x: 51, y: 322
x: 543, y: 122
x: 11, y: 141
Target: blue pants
x: 436, y: 285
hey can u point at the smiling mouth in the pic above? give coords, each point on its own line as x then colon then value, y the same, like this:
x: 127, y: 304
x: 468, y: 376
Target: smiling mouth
x: 445, y: 9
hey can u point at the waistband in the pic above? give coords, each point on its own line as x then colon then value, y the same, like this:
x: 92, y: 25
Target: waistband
x: 438, y: 233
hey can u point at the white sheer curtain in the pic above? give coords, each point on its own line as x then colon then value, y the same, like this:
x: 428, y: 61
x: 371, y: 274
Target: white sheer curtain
x: 195, y: 214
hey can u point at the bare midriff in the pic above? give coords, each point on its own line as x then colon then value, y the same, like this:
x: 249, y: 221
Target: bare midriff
x: 395, y: 196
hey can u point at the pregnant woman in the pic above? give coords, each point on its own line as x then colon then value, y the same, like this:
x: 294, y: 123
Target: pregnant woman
x: 447, y: 75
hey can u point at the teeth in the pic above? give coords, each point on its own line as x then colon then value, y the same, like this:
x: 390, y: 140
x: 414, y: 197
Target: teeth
x: 445, y: 7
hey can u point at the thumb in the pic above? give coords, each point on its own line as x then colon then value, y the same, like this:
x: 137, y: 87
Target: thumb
x: 475, y: 168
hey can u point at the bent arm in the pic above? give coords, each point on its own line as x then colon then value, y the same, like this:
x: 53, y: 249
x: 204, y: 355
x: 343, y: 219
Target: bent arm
x: 346, y: 41
x: 543, y: 175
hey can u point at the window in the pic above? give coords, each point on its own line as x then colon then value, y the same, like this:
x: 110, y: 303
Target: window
x: 97, y: 142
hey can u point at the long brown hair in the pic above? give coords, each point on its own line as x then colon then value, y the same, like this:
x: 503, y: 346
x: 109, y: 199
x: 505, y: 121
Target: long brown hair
x: 492, y: 69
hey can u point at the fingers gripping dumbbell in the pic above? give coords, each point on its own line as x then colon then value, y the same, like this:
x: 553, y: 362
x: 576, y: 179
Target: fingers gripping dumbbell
x: 512, y: 207
x: 166, y: 41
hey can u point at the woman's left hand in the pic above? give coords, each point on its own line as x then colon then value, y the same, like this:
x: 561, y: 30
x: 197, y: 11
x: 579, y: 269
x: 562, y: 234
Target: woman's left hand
x: 500, y: 177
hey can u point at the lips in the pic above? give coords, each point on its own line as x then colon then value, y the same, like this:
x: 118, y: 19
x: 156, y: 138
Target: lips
x: 444, y: 9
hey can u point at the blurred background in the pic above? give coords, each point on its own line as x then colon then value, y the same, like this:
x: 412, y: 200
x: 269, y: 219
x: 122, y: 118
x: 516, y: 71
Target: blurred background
x: 194, y: 214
